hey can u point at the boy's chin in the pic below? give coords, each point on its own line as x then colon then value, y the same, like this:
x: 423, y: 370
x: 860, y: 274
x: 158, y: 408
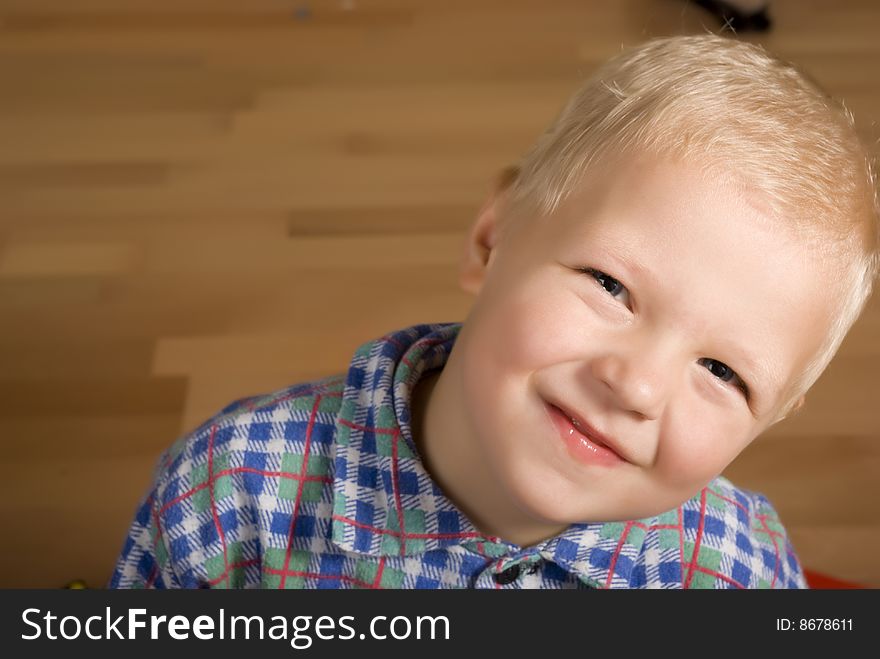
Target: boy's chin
x: 550, y: 514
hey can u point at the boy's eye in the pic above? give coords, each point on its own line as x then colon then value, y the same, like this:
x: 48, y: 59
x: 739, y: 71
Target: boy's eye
x: 723, y: 372
x: 607, y: 282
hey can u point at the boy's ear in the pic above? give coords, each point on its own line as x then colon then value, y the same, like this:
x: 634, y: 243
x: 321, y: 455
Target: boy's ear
x: 482, y: 238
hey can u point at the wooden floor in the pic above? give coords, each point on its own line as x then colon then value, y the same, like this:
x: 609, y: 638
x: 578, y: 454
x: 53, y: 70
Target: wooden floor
x: 206, y: 199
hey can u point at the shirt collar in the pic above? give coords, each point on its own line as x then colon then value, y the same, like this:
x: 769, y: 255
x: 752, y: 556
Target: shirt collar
x: 385, y: 502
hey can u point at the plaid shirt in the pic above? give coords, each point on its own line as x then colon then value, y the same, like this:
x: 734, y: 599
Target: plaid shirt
x: 320, y: 486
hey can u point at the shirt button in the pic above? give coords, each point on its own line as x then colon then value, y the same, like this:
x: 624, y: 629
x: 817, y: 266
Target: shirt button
x: 507, y: 576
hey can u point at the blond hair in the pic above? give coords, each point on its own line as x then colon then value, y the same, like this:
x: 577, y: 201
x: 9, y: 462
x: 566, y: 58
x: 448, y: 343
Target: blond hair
x: 731, y: 105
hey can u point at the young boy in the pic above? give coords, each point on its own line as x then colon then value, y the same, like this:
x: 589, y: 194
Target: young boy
x: 662, y: 278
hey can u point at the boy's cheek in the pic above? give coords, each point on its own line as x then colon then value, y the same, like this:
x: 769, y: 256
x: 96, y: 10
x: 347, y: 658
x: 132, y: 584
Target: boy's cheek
x: 507, y: 340
x: 695, y: 449
x: 532, y: 327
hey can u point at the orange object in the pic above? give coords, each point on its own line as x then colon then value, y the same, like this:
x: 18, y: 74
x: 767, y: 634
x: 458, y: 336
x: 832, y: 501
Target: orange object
x: 819, y: 581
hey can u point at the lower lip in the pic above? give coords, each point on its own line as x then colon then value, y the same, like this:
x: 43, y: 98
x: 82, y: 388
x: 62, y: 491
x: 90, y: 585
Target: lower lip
x: 581, y: 447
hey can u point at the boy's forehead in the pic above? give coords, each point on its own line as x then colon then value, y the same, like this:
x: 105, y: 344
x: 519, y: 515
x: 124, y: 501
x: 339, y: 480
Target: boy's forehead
x: 656, y: 181
x: 645, y: 189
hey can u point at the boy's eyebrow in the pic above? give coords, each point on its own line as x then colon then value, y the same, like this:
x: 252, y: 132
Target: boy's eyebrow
x: 623, y: 260
x: 630, y: 263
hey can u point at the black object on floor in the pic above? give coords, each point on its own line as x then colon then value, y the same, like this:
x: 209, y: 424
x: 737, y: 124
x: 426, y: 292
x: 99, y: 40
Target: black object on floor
x: 758, y: 21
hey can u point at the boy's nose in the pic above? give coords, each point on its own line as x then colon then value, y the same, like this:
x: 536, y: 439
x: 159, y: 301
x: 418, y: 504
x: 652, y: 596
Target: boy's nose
x: 638, y: 379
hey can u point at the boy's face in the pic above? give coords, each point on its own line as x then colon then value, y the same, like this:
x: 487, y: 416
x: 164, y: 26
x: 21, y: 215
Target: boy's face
x: 642, y: 306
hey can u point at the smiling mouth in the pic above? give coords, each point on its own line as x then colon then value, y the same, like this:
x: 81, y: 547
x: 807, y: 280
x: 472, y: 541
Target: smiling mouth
x: 584, y: 442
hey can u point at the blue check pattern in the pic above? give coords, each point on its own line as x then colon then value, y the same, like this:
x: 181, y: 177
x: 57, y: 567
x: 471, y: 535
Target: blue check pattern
x: 319, y: 485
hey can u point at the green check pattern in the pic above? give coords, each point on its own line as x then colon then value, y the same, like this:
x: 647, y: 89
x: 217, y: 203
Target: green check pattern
x: 320, y: 485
